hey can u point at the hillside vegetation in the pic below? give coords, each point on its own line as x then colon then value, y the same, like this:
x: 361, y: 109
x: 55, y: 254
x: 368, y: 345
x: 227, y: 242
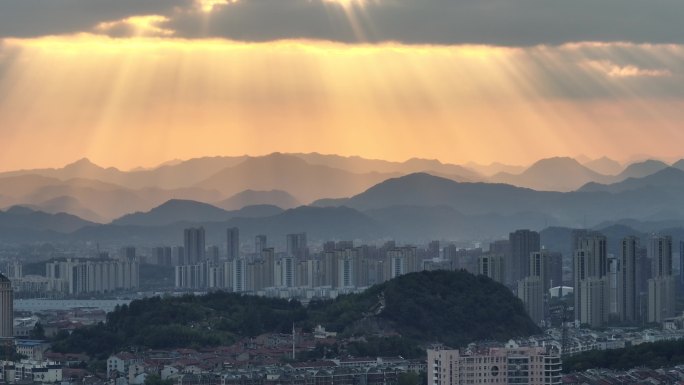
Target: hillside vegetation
x: 440, y: 306
x: 654, y: 355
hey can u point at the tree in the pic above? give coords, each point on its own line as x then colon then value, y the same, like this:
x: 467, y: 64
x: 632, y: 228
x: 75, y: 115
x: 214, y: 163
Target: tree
x: 154, y: 379
x: 38, y: 332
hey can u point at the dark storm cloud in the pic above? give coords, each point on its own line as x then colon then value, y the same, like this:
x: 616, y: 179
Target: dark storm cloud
x: 497, y: 22
x: 32, y: 18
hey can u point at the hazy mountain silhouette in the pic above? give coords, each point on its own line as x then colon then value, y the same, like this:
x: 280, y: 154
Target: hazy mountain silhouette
x: 91, y: 199
x: 102, y: 194
x: 423, y: 189
x: 177, y: 210
x: 360, y: 165
x: 318, y: 223
x: 495, y: 168
x: 605, y: 166
x: 669, y: 179
x: 278, y: 198
x: 679, y: 164
x: 569, y: 209
x: 67, y: 204
x: 169, y: 176
x: 553, y: 174
x: 422, y: 223
x: 19, y: 217
x: 641, y: 169
x: 306, y: 182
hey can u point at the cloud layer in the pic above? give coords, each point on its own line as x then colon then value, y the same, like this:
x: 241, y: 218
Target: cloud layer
x: 491, y: 22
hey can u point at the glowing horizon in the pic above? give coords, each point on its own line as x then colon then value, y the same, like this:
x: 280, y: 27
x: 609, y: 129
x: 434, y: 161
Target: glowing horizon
x: 141, y: 101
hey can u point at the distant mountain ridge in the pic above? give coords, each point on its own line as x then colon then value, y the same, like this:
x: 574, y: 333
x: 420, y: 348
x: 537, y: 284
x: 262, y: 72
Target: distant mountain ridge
x: 670, y: 179
x: 177, y: 210
x: 415, y: 207
x: 279, y: 198
x: 19, y: 217
x: 377, y: 195
x: 553, y: 174
x: 604, y: 165
x: 306, y: 182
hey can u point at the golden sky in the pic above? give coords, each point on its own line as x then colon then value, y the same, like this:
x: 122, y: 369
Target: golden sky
x: 132, y: 92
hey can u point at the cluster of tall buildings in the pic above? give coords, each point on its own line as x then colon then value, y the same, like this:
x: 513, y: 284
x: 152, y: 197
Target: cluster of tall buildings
x: 79, y: 276
x: 636, y: 286
x: 339, y: 265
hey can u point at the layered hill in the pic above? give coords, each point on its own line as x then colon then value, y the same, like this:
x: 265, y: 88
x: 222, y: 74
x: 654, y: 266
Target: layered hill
x: 604, y: 166
x: 25, y: 218
x: 669, y: 179
x: 641, y: 169
x: 553, y: 174
x: 188, y: 211
x: 279, y: 198
x: 306, y: 182
x: 440, y: 306
x: 101, y: 194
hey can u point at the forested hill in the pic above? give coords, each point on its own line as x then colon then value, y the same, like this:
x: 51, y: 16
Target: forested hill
x: 439, y: 306
x: 453, y: 307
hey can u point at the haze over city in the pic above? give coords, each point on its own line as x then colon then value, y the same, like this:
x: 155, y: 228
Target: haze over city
x: 341, y: 192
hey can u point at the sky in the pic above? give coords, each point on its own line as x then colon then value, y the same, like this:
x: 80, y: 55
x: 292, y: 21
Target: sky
x: 132, y: 83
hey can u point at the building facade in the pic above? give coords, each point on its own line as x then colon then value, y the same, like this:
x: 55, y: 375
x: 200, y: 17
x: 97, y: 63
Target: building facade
x: 661, y: 287
x: 525, y: 365
x: 6, y: 307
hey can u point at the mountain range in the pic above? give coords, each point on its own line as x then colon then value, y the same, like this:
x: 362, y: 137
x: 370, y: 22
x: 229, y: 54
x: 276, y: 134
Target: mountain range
x: 347, y: 197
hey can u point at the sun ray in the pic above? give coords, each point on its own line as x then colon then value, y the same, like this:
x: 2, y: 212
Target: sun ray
x: 207, y: 6
x: 106, y: 96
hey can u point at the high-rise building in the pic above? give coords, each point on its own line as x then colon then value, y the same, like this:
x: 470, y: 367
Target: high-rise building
x: 590, y: 267
x: 14, y: 270
x: 163, y: 256
x: 433, y: 249
x: 6, y: 307
x: 523, y: 243
x: 297, y: 245
x: 627, y: 288
x: 129, y: 253
x: 531, y: 292
x: 523, y: 365
x: 540, y: 266
x: 594, y: 301
x: 213, y: 255
x: 661, y: 287
x: 492, y: 266
x: 94, y: 275
x: 260, y: 243
x: 239, y: 271
x: 233, y: 243
x: 400, y: 261
x: 268, y: 276
x: 194, y: 245
x: 345, y: 270
x: 681, y: 261
x: 285, y: 272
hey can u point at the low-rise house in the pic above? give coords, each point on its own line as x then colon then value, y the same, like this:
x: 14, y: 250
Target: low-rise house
x: 118, y: 364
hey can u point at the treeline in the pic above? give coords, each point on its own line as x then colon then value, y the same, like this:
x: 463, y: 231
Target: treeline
x: 652, y: 355
x: 188, y: 321
x: 439, y: 306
